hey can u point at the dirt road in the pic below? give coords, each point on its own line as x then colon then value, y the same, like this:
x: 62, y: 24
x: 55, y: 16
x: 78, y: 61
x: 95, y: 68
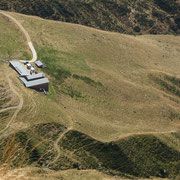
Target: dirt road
x: 143, y: 133
x: 18, y: 108
x: 7, y: 109
x: 56, y: 146
x: 30, y: 44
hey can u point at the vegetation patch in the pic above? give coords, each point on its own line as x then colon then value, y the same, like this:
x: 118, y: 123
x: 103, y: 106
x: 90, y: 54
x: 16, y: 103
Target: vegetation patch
x: 172, y: 79
x: 172, y: 99
x: 170, y: 6
x: 68, y: 90
x: 143, y: 20
x: 3, y: 101
x: 87, y: 80
x: 57, y: 63
x: 50, y: 58
x: 159, y: 14
x: 51, y: 93
x: 69, y: 62
x: 138, y: 156
x: 4, y: 114
x: 29, y: 146
x: 111, y: 15
x: 167, y: 83
x: 4, y: 96
x: 49, y: 131
x: 174, y: 116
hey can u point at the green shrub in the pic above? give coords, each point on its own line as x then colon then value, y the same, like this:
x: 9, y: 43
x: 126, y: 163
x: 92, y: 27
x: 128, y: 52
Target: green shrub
x: 87, y: 80
x: 158, y: 14
x: 137, y: 29
x: 68, y: 90
x: 177, y: 21
x: 124, y: 10
x: 170, y: 6
x: 167, y: 83
x: 140, y: 156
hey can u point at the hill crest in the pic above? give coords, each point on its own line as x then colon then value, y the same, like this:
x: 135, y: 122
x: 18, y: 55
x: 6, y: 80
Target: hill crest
x: 129, y: 17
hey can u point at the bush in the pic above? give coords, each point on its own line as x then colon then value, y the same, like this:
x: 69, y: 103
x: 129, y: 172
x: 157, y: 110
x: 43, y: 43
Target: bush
x: 143, y: 20
x: 137, y: 29
x: 158, y: 14
x: 169, y: 6
x: 124, y: 10
x: 87, y: 80
x: 177, y: 21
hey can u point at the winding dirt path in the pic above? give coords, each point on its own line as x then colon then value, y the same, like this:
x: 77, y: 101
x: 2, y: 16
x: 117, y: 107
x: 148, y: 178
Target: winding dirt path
x: 143, y: 133
x: 9, y: 108
x: 30, y: 44
x: 18, y: 108
x: 56, y: 147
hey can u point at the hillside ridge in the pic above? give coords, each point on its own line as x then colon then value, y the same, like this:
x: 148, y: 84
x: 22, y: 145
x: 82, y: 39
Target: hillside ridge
x: 129, y: 17
x: 79, y: 151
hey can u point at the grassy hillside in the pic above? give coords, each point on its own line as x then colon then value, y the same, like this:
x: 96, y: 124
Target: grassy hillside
x: 113, y: 104
x: 12, y: 43
x: 139, y: 156
x: 102, y: 80
x: 132, y: 16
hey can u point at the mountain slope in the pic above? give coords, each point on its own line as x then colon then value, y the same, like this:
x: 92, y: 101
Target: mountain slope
x: 132, y: 16
x: 138, y: 156
x: 110, y: 94
x: 103, y: 81
x: 12, y: 43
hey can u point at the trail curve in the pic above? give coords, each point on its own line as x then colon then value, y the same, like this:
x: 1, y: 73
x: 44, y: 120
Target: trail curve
x: 56, y: 147
x: 143, y: 133
x: 29, y: 42
x: 7, y: 109
x: 19, y: 107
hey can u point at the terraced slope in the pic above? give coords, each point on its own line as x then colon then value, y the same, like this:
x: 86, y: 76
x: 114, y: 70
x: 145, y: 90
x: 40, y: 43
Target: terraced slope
x: 132, y: 16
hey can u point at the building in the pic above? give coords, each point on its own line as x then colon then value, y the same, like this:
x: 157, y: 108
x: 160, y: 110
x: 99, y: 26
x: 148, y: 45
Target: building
x: 19, y: 68
x: 39, y: 64
x: 34, y: 81
x: 38, y: 84
x: 34, y: 77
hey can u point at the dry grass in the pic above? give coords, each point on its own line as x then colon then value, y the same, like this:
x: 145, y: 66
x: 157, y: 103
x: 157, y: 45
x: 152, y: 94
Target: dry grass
x: 31, y: 173
x: 128, y: 103
x: 12, y: 151
x: 12, y: 42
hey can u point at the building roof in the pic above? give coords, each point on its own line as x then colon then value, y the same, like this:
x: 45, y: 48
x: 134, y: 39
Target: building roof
x: 39, y: 63
x: 37, y: 82
x: 35, y: 76
x: 19, y: 68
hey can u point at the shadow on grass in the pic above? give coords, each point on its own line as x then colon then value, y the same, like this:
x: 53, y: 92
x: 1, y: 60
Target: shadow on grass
x: 137, y: 156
